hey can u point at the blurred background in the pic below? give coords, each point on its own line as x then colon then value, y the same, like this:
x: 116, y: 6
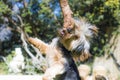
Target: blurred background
x: 42, y: 18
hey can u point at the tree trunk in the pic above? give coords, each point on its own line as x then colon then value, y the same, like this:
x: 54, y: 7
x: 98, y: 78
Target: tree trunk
x: 111, y: 63
x: 67, y: 14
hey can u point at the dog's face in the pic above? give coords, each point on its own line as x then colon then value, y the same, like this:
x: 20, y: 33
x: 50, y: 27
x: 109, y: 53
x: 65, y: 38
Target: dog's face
x: 77, y: 39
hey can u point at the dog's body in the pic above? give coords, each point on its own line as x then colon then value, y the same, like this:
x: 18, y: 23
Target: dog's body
x: 71, y: 40
x: 60, y: 61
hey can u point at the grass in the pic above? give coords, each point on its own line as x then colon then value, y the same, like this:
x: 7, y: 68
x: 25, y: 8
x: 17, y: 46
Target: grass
x: 3, y: 68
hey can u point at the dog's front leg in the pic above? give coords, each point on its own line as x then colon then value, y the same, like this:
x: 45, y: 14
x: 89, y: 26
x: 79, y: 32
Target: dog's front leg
x: 42, y: 46
x: 53, y: 71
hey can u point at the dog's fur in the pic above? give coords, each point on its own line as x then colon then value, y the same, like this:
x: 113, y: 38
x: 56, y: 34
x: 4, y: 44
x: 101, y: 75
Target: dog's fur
x: 74, y: 40
x: 84, y: 71
x: 77, y: 39
x: 60, y: 62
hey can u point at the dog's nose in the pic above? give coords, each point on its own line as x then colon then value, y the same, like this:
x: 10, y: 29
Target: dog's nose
x: 63, y: 32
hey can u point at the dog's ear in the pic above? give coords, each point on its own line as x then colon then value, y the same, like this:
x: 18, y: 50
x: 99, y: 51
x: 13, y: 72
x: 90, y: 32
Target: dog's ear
x: 94, y: 30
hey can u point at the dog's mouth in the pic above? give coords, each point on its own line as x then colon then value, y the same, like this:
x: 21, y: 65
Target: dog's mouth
x: 65, y: 32
x: 61, y: 33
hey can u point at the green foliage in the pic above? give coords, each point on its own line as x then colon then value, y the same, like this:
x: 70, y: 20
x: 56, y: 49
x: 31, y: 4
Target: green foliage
x: 42, y: 23
x: 100, y: 12
x: 4, y: 8
x: 3, y: 68
x: 28, y: 28
x: 10, y: 56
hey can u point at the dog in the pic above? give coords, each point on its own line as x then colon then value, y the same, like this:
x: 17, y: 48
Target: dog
x: 75, y: 41
x: 61, y: 64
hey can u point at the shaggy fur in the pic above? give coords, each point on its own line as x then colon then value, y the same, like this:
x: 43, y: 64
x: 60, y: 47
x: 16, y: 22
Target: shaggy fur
x: 84, y: 71
x: 75, y: 40
x: 60, y: 61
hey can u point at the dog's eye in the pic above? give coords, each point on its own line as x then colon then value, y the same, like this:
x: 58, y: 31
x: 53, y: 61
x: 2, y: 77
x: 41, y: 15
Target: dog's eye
x: 69, y: 30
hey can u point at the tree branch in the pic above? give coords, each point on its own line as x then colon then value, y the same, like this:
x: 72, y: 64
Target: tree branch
x: 67, y: 14
x: 39, y: 61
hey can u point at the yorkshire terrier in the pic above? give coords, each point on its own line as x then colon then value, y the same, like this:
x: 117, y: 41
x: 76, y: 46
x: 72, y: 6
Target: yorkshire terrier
x: 73, y: 41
